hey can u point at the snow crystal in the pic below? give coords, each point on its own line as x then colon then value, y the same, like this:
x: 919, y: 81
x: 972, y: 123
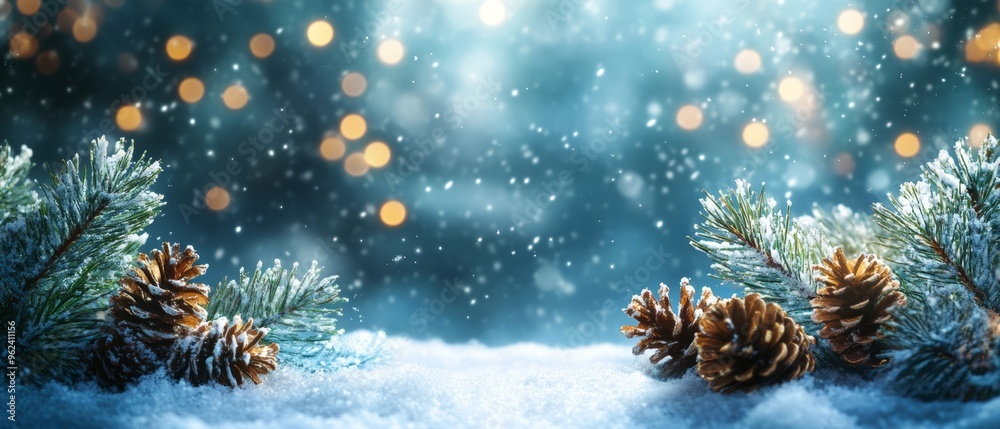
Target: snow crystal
x: 432, y: 384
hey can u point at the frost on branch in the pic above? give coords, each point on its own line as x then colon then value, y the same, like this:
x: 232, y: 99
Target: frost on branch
x: 765, y: 250
x: 301, y: 311
x: 63, y: 255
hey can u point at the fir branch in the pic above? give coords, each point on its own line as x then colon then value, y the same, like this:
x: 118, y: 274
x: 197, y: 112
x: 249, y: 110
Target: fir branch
x: 761, y: 248
x: 300, y: 312
x: 853, y: 232
x: 16, y: 195
x: 64, y: 255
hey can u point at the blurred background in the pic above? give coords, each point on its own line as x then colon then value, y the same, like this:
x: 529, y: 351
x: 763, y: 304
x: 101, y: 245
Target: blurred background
x: 499, y: 170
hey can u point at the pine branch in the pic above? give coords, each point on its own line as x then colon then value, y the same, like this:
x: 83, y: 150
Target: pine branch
x: 16, y: 195
x: 299, y: 311
x: 853, y: 232
x: 754, y: 245
x: 65, y: 254
x: 944, y: 231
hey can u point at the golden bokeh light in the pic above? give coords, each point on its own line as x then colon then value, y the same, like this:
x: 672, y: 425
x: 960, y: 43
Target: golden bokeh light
x: 262, y: 45
x: 179, y: 47
x: 978, y: 134
x: 392, y: 213
x: 850, y: 21
x: 28, y: 7
x: 217, y: 199
x: 23, y: 45
x: 377, y: 154
x: 791, y: 89
x: 332, y: 148
x: 689, y: 117
x: 906, y: 47
x: 747, y: 61
x: 235, y: 97
x: 354, y: 84
x: 320, y: 33
x: 84, y: 29
x: 907, y: 145
x: 390, y: 51
x: 129, y: 118
x: 492, y: 12
x: 353, y: 126
x: 355, y: 164
x: 755, y: 134
x: 47, y: 62
x: 191, y: 90
x: 988, y: 38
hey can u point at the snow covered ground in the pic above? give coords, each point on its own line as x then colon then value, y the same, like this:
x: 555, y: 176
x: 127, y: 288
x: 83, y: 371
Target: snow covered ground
x: 432, y: 384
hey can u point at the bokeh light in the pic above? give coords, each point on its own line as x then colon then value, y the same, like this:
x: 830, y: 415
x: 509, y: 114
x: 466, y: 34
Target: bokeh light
x: 492, y: 12
x: 354, y: 84
x: 28, y: 7
x: 129, y: 118
x: 179, y: 48
x: 791, y: 89
x: 978, y: 134
x: 355, y: 164
x: 353, y: 126
x: 262, y: 45
x: 332, y: 148
x: 755, y: 134
x: 191, y: 90
x: 689, y: 117
x: 390, y: 51
x: 377, y: 154
x: 850, y: 21
x: 320, y: 33
x: 392, y: 213
x: 47, y: 62
x: 747, y: 61
x: 906, y: 47
x: 217, y: 198
x: 84, y: 29
x: 23, y: 45
x: 907, y: 145
x: 235, y: 97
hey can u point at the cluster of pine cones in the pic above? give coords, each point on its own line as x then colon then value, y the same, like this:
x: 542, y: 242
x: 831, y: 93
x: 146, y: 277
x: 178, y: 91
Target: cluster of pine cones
x: 742, y: 344
x: 156, y: 321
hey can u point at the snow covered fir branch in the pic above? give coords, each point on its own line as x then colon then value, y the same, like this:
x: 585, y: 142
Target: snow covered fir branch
x: 90, y: 307
x: 909, y: 294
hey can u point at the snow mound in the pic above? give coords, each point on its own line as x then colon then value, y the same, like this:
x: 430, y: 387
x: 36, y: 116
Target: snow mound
x: 435, y: 385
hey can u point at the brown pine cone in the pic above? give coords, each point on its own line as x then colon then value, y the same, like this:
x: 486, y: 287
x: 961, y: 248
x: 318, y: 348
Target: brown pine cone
x: 857, y: 300
x: 118, y: 359
x: 662, y: 330
x: 156, y: 299
x: 223, y: 352
x: 746, y: 343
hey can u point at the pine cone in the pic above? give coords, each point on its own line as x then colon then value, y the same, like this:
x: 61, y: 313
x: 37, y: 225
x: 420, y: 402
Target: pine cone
x: 118, y: 359
x: 156, y: 299
x: 746, y: 343
x: 666, y: 332
x: 223, y: 352
x: 857, y: 300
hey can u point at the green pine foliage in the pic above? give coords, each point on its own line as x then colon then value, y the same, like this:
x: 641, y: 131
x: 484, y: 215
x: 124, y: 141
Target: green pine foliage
x: 945, y: 232
x: 16, y: 194
x: 64, y: 254
x: 754, y: 244
x: 301, y: 311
